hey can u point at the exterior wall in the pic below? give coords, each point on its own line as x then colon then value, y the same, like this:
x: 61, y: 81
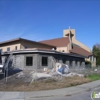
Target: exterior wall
x: 3, y: 59
x: 50, y: 62
x: 11, y: 45
x: 21, y: 45
x: 33, y: 45
x: 34, y: 66
x: 16, y: 61
x: 19, y: 61
x: 37, y: 62
x: 74, y: 40
x: 60, y: 49
x: 92, y: 59
x: 87, y: 59
x: 93, y: 64
x: 67, y: 32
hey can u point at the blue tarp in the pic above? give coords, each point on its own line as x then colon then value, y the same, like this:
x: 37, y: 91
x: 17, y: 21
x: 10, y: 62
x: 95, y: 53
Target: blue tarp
x: 61, y: 70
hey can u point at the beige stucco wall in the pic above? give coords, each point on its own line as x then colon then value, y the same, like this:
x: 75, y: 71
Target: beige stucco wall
x: 87, y: 59
x: 11, y: 45
x: 67, y: 31
x: 33, y: 45
x: 21, y: 45
x: 93, y: 61
x: 74, y: 40
x: 60, y: 49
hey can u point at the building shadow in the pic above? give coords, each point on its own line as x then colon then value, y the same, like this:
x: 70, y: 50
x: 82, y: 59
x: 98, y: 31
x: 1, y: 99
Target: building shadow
x: 10, y: 72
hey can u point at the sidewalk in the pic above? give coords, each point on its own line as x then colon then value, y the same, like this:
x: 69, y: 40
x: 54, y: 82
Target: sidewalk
x: 48, y: 93
x: 64, y: 91
x: 12, y: 96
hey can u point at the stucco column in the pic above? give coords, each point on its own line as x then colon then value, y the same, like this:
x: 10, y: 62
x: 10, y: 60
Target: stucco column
x: 78, y: 63
x: 67, y: 62
x: 35, y: 61
x: 83, y: 64
x: 60, y: 61
x: 73, y: 64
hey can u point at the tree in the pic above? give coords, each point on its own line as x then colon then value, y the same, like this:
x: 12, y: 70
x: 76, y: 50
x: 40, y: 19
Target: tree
x: 96, y: 53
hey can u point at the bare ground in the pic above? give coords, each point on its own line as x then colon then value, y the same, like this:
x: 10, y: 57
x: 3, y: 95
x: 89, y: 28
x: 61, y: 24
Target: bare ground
x: 19, y: 85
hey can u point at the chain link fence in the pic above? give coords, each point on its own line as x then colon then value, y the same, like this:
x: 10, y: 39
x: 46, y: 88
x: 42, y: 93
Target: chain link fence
x: 86, y: 70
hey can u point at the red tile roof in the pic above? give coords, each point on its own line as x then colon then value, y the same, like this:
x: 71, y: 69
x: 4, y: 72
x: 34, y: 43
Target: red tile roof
x: 80, y: 51
x: 58, y: 42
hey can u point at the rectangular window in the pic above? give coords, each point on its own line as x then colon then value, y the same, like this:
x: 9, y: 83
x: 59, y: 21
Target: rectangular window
x: 15, y: 47
x: 1, y: 50
x: 8, y: 49
x: 91, y: 58
x: 44, y: 61
x: 25, y: 47
x: 29, y: 61
x: 63, y: 50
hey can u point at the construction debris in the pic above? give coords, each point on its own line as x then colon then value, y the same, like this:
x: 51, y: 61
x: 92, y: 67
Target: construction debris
x: 57, y: 73
x: 71, y: 74
x: 60, y: 69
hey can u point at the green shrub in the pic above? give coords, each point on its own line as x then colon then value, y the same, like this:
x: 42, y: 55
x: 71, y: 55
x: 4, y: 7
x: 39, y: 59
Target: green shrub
x: 88, y: 64
x: 94, y: 77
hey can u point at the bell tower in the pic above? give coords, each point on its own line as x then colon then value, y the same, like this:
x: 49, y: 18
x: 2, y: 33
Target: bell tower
x: 71, y: 34
x: 66, y: 32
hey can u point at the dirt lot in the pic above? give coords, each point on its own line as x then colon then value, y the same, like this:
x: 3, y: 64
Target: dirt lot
x: 19, y: 85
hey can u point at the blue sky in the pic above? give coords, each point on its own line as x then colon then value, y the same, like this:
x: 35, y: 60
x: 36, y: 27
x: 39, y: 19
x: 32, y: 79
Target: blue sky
x: 45, y: 19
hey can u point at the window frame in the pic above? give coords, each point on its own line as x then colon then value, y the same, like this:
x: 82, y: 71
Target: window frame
x: 91, y: 58
x: 63, y: 50
x: 44, y: 63
x: 16, y: 48
x: 30, y: 59
x: 25, y: 47
x: 8, y: 48
x: 1, y: 50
